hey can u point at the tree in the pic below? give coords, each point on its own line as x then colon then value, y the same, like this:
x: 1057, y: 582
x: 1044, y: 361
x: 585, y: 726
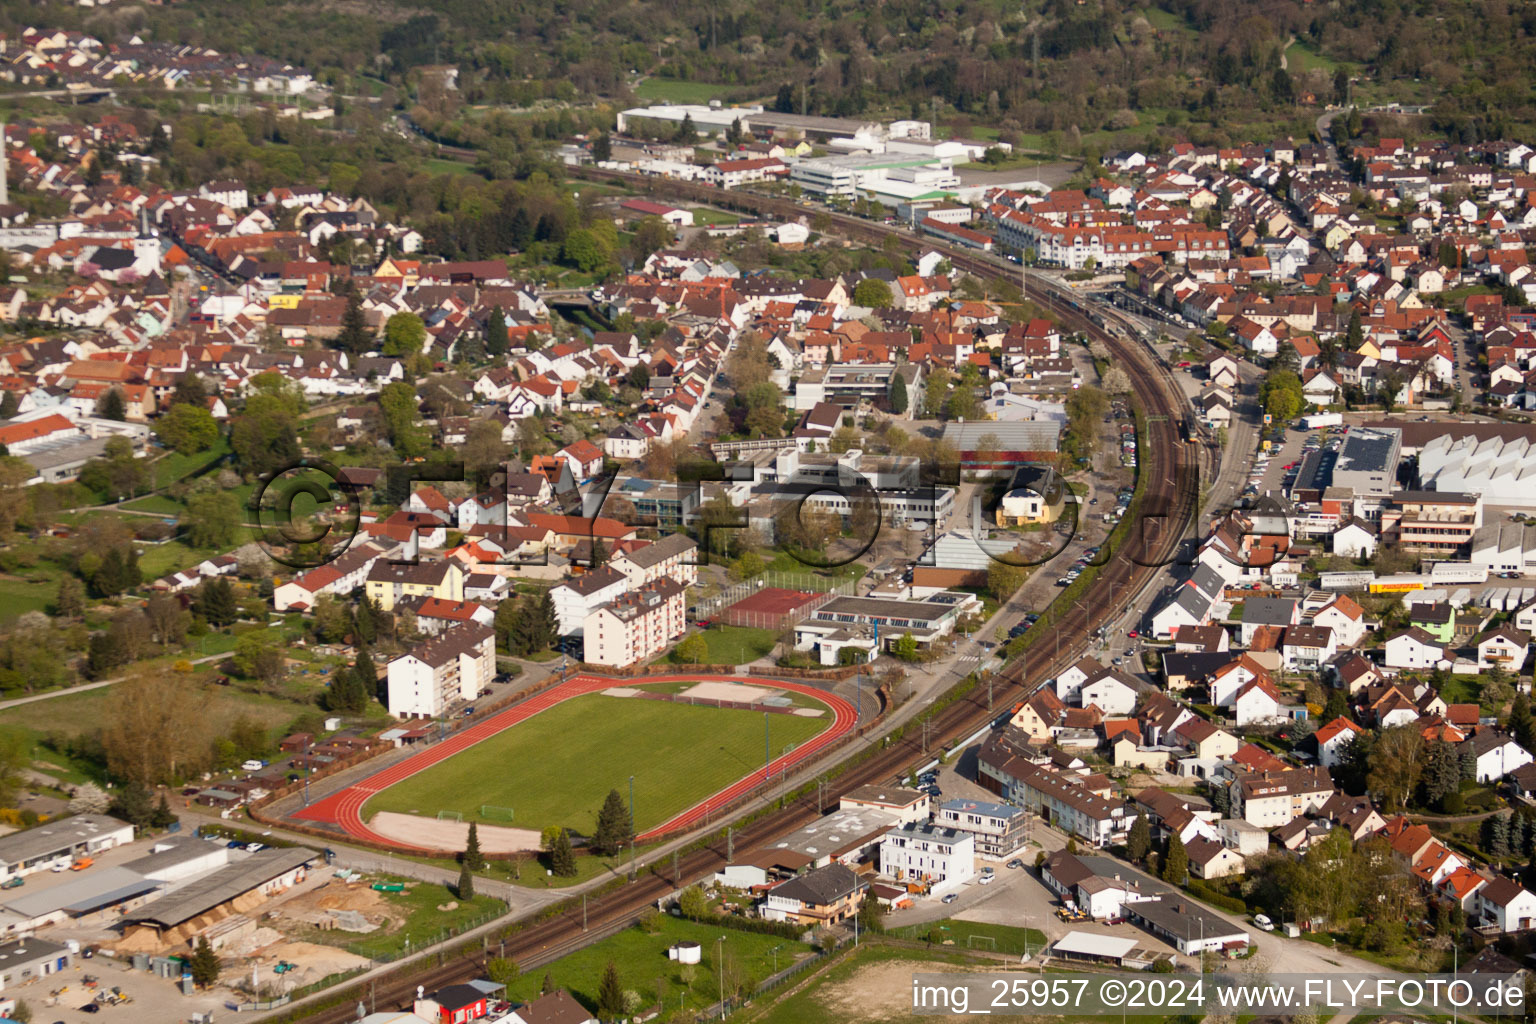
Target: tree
x: 1441, y: 776
x: 110, y: 406
x: 187, y: 429
x: 586, y: 250
x: 612, y: 830
x: 118, y: 571
x: 190, y: 390
x: 547, y: 985
x: 1139, y: 843
x: 1337, y: 705
x: 163, y: 817
x: 906, y: 647
x: 70, y: 602
x: 693, y: 904
x: 472, y: 855
x: 1004, y: 580
x: 610, y: 994
x: 132, y: 804
x: 1281, y: 395
x: 602, y: 147
x: 256, y: 657
x: 1396, y: 762
x: 496, y: 333
x: 398, y: 406
x: 898, y: 394
x: 694, y: 650
x: 466, y: 886
x: 562, y: 860
x: 936, y: 392
x: 214, y: 518
x: 205, y: 964
x: 874, y: 293
x: 1176, y: 862
x: 15, y: 760
x: 404, y: 335
x: 355, y: 336
x: 686, y: 132
x: 8, y: 405
x: 1521, y: 726
x: 1116, y: 381
x: 651, y: 235
x: 215, y: 601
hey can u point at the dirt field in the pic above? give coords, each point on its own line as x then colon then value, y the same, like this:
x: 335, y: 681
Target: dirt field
x: 713, y: 690
x: 882, y: 992
x: 451, y: 835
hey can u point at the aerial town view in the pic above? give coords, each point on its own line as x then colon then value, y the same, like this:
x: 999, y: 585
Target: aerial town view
x: 619, y: 512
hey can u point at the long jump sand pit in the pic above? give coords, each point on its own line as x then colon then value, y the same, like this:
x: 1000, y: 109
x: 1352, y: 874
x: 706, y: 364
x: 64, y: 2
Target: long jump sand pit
x: 712, y: 689
x: 432, y: 834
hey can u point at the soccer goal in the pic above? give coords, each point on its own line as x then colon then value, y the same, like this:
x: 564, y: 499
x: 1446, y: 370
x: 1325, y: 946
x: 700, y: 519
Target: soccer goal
x: 981, y: 942
x: 449, y: 816
x: 490, y: 812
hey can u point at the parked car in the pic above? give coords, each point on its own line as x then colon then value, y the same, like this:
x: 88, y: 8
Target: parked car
x: 950, y: 898
x: 986, y: 879
x: 1015, y: 863
x: 1263, y: 923
x: 253, y: 765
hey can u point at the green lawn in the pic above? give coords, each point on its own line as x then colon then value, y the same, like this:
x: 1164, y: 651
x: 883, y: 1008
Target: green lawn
x: 18, y: 596
x: 641, y: 961
x: 174, y: 466
x: 77, y: 713
x: 703, y: 217
x: 1167, y: 21
x: 1301, y: 58
x: 556, y: 767
x: 738, y: 645
x: 448, y: 166
x: 672, y: 90
x: 1008, y: 939
x: 159, y: 504
x: 783, y: 561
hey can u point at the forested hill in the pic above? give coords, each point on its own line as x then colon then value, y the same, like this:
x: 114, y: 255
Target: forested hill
x: 1204, y: 69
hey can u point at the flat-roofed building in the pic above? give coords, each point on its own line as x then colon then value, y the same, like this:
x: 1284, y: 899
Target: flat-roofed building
x: 936, y: 859
x: 1000, y: 829
x: 59, y: 842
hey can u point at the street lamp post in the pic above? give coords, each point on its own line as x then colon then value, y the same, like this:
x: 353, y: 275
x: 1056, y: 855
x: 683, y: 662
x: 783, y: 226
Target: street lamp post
x: 720, y: 971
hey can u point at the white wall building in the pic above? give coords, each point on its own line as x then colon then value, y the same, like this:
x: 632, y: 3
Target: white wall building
x: 943, y: 858
x: 452, y: 667
x: 635, y: 626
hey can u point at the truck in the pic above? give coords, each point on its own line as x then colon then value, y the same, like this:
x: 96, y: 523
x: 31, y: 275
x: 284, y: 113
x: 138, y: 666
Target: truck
x: 1318, y: 420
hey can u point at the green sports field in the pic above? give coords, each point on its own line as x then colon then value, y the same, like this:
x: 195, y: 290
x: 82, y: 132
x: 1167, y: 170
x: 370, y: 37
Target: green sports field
x: 556, y: 767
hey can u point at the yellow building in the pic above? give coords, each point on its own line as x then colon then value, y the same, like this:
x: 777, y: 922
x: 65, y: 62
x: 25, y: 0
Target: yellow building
x: 1034, y: 495
x: 390, y: 582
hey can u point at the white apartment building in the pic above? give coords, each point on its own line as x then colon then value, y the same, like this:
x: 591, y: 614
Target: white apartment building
x: 431, y: 677
x: 943, y: 858
x: 635, y: 626
x: 1000, y: 830
x: 577, y: 598
x: 674, y: 556
x: 1271, y: 799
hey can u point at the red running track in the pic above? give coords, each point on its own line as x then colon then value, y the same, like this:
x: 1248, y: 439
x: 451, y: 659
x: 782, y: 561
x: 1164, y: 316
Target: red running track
x: 345, y: 807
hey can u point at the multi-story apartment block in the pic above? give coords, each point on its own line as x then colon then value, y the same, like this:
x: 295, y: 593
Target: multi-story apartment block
x: 920, y: 854
x: 431, y: 677
x: 635, y: 626
x: 675, y: 555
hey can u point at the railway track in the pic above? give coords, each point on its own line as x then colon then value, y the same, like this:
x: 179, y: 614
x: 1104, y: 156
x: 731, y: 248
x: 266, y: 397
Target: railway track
x: 1169, y: 477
